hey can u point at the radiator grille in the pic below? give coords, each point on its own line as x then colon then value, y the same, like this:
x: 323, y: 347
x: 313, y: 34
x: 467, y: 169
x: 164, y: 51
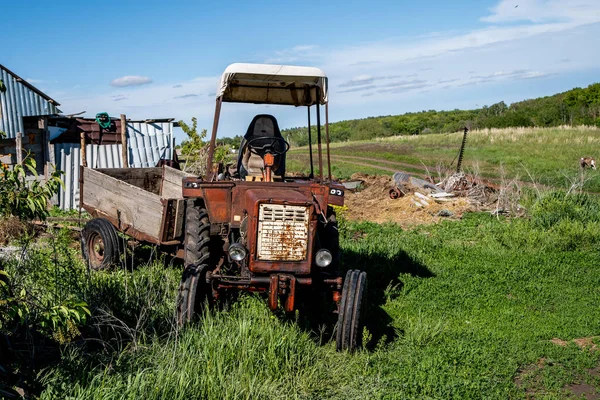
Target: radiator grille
x: 282, y: 232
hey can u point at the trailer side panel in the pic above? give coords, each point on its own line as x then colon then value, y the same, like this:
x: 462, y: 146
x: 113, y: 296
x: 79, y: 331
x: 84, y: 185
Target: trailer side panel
x: 131, y: 209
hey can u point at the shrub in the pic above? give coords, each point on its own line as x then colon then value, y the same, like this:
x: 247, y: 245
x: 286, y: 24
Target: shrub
x: 22, y: 198
x: 555, y: 207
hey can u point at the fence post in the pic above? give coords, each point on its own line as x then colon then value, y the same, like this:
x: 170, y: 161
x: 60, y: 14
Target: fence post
x: 83, y: 155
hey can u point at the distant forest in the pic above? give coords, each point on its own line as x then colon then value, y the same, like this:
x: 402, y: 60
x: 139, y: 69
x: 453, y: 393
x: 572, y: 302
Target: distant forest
x: 574, y: 107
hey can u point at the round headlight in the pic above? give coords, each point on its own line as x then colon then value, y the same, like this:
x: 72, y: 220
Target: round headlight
x: 323, y: 258
x: 237, y: 252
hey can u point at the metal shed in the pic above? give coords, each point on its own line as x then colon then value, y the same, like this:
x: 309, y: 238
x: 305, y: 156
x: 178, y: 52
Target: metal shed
x: 21, y: 99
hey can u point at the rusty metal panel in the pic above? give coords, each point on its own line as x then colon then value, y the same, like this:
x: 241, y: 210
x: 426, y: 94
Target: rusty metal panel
x: 282, y: 232
x: 218, y: 202
x: 20, y: 100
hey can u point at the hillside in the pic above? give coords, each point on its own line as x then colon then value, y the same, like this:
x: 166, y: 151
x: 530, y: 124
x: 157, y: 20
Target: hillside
x: 579, y: 106
x: 548, y: 156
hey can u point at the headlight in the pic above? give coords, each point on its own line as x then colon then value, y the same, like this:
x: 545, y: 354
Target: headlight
x: 323, y: 258
x: 237, y: 252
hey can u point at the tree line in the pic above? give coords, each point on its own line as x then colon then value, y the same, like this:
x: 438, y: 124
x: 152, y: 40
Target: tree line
x: 578, y: 106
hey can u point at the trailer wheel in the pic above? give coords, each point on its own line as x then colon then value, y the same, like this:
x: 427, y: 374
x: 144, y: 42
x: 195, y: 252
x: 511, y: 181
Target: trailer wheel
x: 193, y: 289
x: 100, y: 244
x: 351, y: 314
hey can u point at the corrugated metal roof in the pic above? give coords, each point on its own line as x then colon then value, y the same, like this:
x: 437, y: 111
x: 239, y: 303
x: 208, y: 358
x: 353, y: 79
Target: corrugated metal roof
x: 21, y: 99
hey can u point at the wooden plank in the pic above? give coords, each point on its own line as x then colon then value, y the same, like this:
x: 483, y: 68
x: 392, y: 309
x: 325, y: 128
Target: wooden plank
x: 124, y: 148
x: 130, y: 173
x: 179, y: 217
x: 171, y: 183
x: 145, y: 178
x: 129, y: 204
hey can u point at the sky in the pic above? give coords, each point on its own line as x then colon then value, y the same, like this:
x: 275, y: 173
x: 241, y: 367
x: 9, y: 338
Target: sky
x: 157, y: 59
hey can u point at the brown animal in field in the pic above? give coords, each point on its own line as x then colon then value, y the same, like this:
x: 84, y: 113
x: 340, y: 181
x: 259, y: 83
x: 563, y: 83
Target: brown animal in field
x: 587, y: 162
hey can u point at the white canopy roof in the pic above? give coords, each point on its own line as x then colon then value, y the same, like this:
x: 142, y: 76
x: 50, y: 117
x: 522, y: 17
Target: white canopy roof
x: 273, y: 84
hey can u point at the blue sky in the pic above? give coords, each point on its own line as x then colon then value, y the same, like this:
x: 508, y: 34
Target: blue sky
x: 151, y: 59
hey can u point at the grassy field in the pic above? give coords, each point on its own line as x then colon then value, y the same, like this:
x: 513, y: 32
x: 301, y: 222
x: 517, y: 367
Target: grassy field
x: 545, y: 155
x: 463, y: 309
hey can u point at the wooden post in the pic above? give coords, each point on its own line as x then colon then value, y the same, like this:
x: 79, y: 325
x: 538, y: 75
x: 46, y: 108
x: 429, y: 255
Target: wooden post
x: 47, y: 147
x: 124, y: 149
x: 83, y: 155
x: 19, y: 148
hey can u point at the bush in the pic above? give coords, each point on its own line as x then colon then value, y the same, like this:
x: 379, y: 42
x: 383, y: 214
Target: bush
x: 556, y: 207
x: 22, y: 198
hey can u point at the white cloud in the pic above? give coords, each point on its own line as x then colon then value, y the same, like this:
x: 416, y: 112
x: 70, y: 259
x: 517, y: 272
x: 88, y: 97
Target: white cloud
x: 130, y: 80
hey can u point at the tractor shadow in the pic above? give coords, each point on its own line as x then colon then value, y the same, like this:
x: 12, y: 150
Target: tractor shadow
x: 383, y: 275
x: 383, y: 282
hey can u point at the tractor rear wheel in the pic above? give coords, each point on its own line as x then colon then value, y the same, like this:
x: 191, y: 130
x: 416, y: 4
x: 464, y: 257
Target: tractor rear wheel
x: 100, y: 244
x: 193, y: 289
x: 351, y: 314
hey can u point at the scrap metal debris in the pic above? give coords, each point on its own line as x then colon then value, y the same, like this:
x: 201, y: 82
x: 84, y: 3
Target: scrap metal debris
x: 409, y: 201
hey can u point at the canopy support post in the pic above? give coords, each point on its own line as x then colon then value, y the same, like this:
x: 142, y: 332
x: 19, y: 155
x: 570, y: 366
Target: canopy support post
x: 213, y: 139
x: 319, y: 138
x: 327, y: 138
x: 310, y: 152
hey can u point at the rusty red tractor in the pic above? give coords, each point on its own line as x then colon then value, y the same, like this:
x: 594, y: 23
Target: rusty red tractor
x: 256, y: 230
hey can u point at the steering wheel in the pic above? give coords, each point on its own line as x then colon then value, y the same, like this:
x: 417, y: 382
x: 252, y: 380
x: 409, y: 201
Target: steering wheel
x: 269, y: 146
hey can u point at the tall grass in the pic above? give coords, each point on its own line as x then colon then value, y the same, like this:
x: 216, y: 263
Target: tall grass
x: 462, y: 309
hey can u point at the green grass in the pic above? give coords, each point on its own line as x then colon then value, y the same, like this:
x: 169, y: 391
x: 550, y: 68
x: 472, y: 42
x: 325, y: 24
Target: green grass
x: 456, y: 310
x: 549, y: 155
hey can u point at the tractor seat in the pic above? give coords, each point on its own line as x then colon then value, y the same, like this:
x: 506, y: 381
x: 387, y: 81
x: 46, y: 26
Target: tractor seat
x: 250, y: 164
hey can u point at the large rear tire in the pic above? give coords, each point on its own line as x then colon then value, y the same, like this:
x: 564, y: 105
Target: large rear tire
x: 351, y: 313
x: 100, y: 244
x: 193, y: 289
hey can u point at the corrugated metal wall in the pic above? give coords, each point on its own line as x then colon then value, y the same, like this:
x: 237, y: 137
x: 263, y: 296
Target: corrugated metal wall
x: 148, y: 143
x: 17, y: 102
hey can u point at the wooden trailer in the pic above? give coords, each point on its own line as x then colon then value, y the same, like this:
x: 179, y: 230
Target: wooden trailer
x: 144, y: 203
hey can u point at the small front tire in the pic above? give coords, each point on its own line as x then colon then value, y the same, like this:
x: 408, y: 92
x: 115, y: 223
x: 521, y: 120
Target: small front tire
x: 351, y: 313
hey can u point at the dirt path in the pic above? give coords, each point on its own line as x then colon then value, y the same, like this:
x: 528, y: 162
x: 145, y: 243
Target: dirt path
x: 370, y: 163
x: 387, y: 162
x: 373, y: 165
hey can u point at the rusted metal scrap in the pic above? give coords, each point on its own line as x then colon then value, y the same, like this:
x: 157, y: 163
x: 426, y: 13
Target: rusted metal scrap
x: 470, y: 186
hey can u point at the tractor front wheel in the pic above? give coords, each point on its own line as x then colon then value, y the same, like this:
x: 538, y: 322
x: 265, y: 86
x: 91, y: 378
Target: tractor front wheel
x: 193, y: 289
x: 351, y: 312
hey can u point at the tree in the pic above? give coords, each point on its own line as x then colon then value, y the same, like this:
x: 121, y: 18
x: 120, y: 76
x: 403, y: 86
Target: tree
x: 194, y: 149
